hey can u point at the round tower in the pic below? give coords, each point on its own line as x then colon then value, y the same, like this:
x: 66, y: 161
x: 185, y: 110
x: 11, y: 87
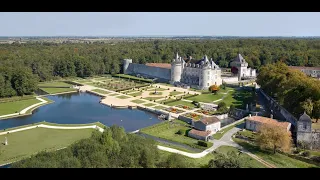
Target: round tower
x: 176, y: 69
x: 205, y: 76
x: 126, y: 63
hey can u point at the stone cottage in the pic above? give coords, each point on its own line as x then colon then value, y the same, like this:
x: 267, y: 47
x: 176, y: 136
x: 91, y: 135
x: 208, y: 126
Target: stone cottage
x: 253, y: 123
x: 205, y: 128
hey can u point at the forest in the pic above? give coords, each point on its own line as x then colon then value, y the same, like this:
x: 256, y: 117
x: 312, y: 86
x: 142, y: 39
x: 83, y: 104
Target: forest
x: 46, y: 61
x: 293, y: 89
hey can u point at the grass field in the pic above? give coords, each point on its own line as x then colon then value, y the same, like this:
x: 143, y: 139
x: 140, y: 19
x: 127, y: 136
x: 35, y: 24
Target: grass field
x: 167, y: 130
x: 100, y: 91
x: 138, y: 101
x: 185, y: 103
x: 25, y: 143
x: 208, y: 98
x: 159, y: 107
x: 279, y: 160
x: 57, y: 90
x: 114, y: 94
x: 158, y: 89
x: 135, y: 94
x: 219, y: 134
x: 16, y: 106
x: 246, y: 160
x: 149, y: 104
x: 122, y: 97
x: 54, y: 84
x: 153, y: 98
x: 173, y: 93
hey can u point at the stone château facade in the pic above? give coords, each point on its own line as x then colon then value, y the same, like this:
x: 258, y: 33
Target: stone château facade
x: 200, y: 74
x: 306, y: 136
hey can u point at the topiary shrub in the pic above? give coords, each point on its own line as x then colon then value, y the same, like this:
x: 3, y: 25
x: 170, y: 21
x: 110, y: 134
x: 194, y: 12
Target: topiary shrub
x: 203, y: 143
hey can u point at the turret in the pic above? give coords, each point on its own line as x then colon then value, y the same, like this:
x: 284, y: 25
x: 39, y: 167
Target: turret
x: 176, y: 69
x: 126, y: 63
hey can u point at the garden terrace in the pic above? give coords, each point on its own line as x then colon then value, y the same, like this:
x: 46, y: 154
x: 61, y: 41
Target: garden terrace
x: 149, y: 104
x: 207, y: 98
x: 174, y: 93
x: 158, y: 94
x: 174, y: 110
x: 159, y: 107
x: 122, y: 97
x: 180, y: 103
x: 184, y: 107
x: 158, y: 89
x: 194, y: 116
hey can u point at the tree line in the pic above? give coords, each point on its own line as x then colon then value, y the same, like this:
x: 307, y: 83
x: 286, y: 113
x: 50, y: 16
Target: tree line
x: 49, y: 61
x: 293, y: 89
x: 116, y: 149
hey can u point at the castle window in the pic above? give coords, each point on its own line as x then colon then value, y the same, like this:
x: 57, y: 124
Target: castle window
x: 304, y: 126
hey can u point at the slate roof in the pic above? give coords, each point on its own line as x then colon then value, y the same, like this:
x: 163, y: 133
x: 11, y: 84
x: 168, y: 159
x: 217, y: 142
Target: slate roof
x: 239, y: 58
x: 305, y: 117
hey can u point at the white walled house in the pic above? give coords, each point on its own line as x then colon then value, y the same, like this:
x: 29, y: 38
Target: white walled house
x: 204, y: 128
x: 253, y: 123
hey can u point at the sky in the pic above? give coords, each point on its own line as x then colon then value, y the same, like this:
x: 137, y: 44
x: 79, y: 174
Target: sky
x: 159, y: 23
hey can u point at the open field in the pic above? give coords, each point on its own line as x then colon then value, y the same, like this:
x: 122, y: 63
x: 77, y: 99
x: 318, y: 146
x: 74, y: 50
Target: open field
x: 25, y: 143
x: 54, y: 84
x: 16, y: 106
x: 57, y: 90
x: 207, y: 98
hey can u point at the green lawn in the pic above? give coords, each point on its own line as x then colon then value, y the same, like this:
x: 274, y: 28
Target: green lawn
x: 173, y: 93
x: 25, y: 143
x: 57, y: 90
x: 219, y: 134
x: 165, y: 84
x: 208, y: 98
x: 54, y: 84
x: 240, y: 98
x: 152, y: 98
x: 100, y: 91
x: 159, y: 107
x: 279, y: 160
x: 158, y: 94
x: 16, y: 106
x: 149, y: 104
x: 138, y: 101
x: 135, y: 94
x: 114, y: 94
x: 122, y: 97
x: 185, y: 103
x: 247, y: 161
x: 176, y: 147
x: 44, y: 98
x: 168, y: 130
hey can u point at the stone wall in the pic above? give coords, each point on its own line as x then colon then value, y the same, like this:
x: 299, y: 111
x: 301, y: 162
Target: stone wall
x: 315, y: 140
x: 149, y: 71
x: 288, y: 116
x: 185, y: 119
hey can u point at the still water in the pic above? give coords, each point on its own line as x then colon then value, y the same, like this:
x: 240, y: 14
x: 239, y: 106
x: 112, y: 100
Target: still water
x: 82, y: 108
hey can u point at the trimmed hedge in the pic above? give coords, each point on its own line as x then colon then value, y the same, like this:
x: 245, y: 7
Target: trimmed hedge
x: 203, y: 143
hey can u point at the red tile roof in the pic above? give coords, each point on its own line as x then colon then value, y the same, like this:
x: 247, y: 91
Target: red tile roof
x: 200, y: 133
x: 160, y: 65
x: 303, y: 67
x: 209, y: 120
x: 268, y: 121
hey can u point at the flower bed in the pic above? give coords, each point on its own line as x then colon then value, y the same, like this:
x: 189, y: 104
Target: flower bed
x: 174, y: 110
x: 184, y: 107
x: 194, y: 116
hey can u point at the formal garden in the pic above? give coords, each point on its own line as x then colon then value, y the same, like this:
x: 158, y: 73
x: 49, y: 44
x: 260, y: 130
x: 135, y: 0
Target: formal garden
x: 194, y: 116
x: 174, y: 110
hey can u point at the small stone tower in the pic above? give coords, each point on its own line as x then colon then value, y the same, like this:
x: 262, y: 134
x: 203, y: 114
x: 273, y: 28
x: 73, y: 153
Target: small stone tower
x: 204, y: 81
x: 304, y: 130
x: 126, y: 63
x: 176, y: 69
